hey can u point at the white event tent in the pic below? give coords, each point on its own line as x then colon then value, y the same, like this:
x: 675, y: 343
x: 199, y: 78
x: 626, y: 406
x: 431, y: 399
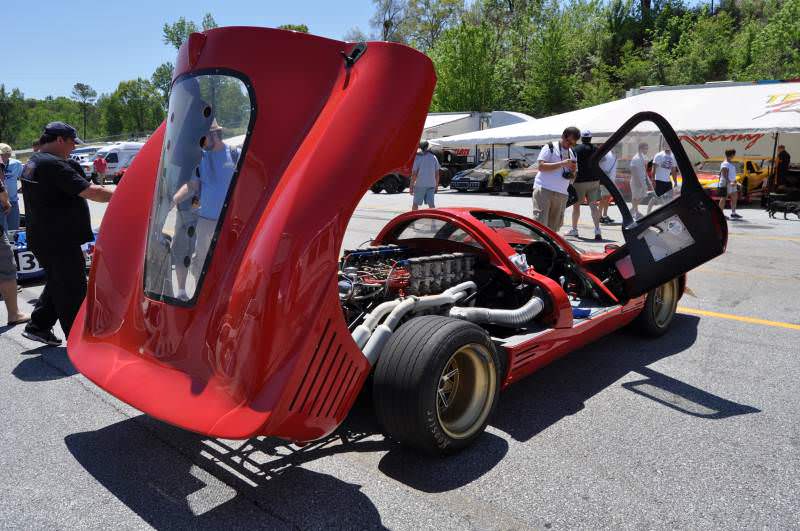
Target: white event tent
x: 709, y: 119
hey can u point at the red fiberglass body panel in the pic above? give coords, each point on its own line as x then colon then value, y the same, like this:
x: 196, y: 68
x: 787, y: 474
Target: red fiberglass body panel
x: 265, y: 349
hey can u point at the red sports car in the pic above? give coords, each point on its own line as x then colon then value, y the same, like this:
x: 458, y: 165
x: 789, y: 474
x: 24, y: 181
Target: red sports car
x: 218, y: 299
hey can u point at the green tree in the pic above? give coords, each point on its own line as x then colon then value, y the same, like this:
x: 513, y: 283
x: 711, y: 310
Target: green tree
x: 176, y: 33
x: 389, y: 19
x: 425, y: 20
x: 703, y: 52
x: 162, y: 80
x: 465, y: 60
x: 85, y: 96
x: 776, y: 48
x: 140, y: 105
x: 301, y: 28
x: 111, y: 110
x: 551, y: 82
x: 12, y: 114
x: 208, y: 22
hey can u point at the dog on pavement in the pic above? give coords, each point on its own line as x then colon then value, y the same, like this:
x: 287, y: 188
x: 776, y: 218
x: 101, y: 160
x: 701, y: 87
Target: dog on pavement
x: 787, y: 207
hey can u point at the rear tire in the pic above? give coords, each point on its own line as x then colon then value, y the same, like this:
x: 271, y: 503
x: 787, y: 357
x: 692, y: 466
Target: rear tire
x: 376, y: 188
x: 659, y: 309
x: 391, y: 184
x: 436, y: 384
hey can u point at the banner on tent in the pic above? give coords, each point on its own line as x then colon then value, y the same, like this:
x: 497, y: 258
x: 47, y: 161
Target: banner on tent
x: 705, y: 144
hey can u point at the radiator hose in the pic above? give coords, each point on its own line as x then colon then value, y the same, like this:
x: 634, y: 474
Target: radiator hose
x: 511, y: 318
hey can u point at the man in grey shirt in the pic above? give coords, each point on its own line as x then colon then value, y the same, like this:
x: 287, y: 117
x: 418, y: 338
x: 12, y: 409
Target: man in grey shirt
x: 424, y: 177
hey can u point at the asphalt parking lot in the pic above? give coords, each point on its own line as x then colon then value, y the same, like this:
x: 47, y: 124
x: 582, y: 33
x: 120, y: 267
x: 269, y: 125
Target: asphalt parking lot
x: 697, y: 429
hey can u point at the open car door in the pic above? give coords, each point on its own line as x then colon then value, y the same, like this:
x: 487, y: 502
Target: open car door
x: 668, y: 228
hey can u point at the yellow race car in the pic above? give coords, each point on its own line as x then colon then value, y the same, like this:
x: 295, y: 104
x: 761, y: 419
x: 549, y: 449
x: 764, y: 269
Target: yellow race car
x: 751, y: 172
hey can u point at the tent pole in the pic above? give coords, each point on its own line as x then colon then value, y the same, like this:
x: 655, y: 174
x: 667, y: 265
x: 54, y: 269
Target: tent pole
x: 771, y: 185
x: 508, y: 151
x: 492, y: 160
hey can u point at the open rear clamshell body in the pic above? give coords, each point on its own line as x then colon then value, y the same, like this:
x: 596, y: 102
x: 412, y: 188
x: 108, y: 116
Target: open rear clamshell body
x: 254, y: 342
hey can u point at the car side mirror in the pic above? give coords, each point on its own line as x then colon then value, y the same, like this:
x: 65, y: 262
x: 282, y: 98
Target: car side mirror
x: 611, y: 247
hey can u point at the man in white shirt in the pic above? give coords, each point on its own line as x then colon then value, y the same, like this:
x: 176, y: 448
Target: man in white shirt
x: 639, y: 182
x: 727, y: 183
x: 557, y: 166
x: 665, y: 166
x: 424, y: 177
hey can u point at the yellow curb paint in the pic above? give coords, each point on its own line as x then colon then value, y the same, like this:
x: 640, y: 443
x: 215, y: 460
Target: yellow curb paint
x: 751, y: 320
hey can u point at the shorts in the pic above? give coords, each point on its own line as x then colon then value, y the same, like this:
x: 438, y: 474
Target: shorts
x: 638, y: 190
x: 604, y: 191
x: 548, y: 208
x: 183, y: 241
x: 8, y: 266
x: 424, y: 195
x: 590, y: 190
x: 662, y: 187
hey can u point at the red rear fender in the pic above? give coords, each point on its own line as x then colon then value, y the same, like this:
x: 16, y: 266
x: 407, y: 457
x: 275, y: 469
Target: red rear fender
x: 265, y: 349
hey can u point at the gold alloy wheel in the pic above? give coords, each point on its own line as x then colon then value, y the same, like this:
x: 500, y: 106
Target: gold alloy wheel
x: 466, y: 391
x: 664, y: 303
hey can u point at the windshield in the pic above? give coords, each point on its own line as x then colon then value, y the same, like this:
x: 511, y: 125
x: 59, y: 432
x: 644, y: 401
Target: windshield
x: 487, y: 164
x: 197, y: 170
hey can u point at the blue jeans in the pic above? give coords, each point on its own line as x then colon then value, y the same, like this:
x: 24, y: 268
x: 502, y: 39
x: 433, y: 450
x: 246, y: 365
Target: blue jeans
x: 10, y: 220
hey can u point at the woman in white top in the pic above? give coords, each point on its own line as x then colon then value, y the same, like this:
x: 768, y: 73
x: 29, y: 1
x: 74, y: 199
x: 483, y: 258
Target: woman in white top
x: 727, y: 183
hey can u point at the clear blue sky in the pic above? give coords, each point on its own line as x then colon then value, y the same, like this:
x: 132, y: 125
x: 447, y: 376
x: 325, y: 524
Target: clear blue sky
x: 49, y: 46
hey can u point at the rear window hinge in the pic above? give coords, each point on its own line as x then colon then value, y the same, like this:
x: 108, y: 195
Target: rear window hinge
x: 355, y: 54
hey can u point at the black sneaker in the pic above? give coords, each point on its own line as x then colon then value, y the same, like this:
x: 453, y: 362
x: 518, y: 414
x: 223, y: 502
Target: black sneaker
x: 42, y: 336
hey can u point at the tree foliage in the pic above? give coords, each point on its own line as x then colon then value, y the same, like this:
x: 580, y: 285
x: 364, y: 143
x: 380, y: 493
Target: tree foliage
x: 85, y: 96
x: 551, y: 56
x: 534, y: 56
x: 302, y: 28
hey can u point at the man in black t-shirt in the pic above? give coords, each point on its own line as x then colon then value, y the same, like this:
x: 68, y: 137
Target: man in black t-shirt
x: 57, y: 219
x: 587, y: 185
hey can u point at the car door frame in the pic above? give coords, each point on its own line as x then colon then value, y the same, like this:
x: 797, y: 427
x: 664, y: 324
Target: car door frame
x: 641, y: 271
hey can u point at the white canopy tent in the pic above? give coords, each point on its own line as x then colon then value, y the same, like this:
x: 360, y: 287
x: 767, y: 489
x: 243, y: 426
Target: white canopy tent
x: 726, y: 115
x: 435, y: 120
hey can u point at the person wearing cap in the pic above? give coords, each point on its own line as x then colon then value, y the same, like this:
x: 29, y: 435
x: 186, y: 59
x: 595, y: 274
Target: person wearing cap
x: 13, y: 171
x: 55, y: 191
x: 587, y: 185
x: 557, y: 167
x: 211, y: 184
x: 424, y: 177
x: 8, y: 266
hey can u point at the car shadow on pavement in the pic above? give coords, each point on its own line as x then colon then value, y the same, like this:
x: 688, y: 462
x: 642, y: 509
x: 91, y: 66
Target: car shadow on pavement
x: 174, y: 478
x: 44, y: 364
x: 562, y: 388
